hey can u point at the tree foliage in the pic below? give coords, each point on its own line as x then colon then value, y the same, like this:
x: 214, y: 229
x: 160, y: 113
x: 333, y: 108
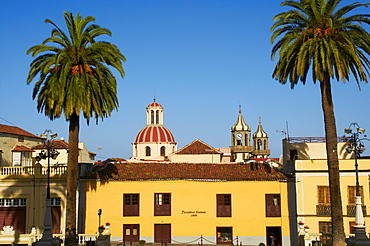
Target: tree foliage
x: 321, y: 37
x: 74, y: 70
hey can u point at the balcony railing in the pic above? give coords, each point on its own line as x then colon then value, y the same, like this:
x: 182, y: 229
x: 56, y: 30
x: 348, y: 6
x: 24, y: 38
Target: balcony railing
x: 37, y: 170
x: 323, y: 210
x: 315, y: 139
x: 240, y: 148
x: 351, y: 210
x: 261, y: 152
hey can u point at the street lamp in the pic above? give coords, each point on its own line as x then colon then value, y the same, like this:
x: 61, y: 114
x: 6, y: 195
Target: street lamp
x: 47, y: 235
x: 357, y: 147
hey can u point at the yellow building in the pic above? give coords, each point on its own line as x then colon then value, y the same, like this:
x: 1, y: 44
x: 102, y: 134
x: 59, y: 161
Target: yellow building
x: 306, y: 158
x: 23, y: 194
x: 188, y: 202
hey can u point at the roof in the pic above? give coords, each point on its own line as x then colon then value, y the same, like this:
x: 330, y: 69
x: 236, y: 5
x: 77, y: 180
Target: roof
x: 16, y: 131
x: 154, y: 133
x: 155, y: 104
x: 20, y: 148
x: 198, y: 147
x: 55, y: 144
x: 130, y: 171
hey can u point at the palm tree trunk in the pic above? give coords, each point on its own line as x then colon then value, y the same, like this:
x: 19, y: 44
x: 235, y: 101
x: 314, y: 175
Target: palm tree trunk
x: 333, y: 163
x: 72, y: 171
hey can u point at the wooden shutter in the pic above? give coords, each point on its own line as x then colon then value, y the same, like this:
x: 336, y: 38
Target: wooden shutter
x: 162, y: 204
x: 273, y: 205
x: 131, y: 204
x: 323, y: 195
x: 56, y: 215
x: 223, y: 205
x: 352, y: 195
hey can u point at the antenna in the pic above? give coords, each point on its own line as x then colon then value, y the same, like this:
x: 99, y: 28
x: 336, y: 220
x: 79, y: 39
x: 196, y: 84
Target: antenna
x: 282, y: 132
x: 287, y: 129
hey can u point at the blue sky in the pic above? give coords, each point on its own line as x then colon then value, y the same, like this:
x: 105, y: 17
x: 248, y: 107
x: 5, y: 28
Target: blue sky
x: 199, y: 58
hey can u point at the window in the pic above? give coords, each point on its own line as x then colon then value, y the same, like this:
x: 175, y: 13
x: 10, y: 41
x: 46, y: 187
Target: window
x: 162, y: 204
x: 147, y: 151
x: 152, y: 117
x: 293, y: 154
x: 352, y: 195
x: 224, y: 235
x: 22, y: 158
x: 163, y: 151
x: 17, y: 158
x: 55, y: 201
x: 326, y: 232
x: 272, y: 205
x: 130, y: 204
x: 157, y: 116
x: 13, y: 213
x: 56, y: 214
x: 16, y: 202
x: 323, y: 195
x: 223, y: 205
x: 259, y: 144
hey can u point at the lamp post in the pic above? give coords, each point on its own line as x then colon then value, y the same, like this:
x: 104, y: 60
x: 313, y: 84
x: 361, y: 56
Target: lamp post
x: 357, y: 147
x: 47, y: 235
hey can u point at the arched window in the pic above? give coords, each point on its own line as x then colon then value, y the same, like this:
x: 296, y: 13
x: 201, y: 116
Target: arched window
x: 264, y: 144
x: 157, y: 116
x: 152, y: 117
x: 163, y: 151
x: 147, y: 151
x: 259, y: 142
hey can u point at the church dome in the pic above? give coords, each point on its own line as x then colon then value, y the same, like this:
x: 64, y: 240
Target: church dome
x: 155, y: 134
x: 154, y: 104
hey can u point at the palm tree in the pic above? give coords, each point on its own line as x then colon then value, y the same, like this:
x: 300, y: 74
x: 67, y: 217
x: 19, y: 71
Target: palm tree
x: 74, y: 79
x: 319, y: 36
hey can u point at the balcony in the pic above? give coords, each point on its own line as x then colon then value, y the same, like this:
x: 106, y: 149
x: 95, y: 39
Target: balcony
x: 35, y: 170
x: 240, y: 148
x: 351, y: 210
x: 323, y: 210
x: 261, y: 152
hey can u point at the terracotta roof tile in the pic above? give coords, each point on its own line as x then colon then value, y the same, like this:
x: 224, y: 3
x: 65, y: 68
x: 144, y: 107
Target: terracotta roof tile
x: 16, y: 131
x: 56, y: 144
x: 20, y: 148
x: 186, y: 171
x: 198, y: 147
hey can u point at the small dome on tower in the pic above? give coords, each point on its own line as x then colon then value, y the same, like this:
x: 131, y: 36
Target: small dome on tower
x: 154, y: 104
x: 260, y: 133
x: 240, y: 124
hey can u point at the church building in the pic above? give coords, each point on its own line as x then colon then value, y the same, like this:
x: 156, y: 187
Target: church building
x: 154, y: 141
x: 241, y: 148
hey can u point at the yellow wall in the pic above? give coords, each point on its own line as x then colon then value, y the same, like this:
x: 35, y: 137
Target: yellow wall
x: 32, y: 185
x: 248, y: 208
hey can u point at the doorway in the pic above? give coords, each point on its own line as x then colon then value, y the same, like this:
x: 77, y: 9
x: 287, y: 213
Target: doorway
x: 162, y: 233
x: 273, y: 236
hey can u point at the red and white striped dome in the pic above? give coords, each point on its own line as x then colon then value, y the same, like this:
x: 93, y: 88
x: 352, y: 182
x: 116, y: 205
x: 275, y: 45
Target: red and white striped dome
x: 154, y: 104
x: 155, y: 134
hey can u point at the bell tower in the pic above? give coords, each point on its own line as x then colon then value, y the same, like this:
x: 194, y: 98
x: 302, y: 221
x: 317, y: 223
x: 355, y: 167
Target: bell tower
x: 241, y: 148
x: 260, y: 142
